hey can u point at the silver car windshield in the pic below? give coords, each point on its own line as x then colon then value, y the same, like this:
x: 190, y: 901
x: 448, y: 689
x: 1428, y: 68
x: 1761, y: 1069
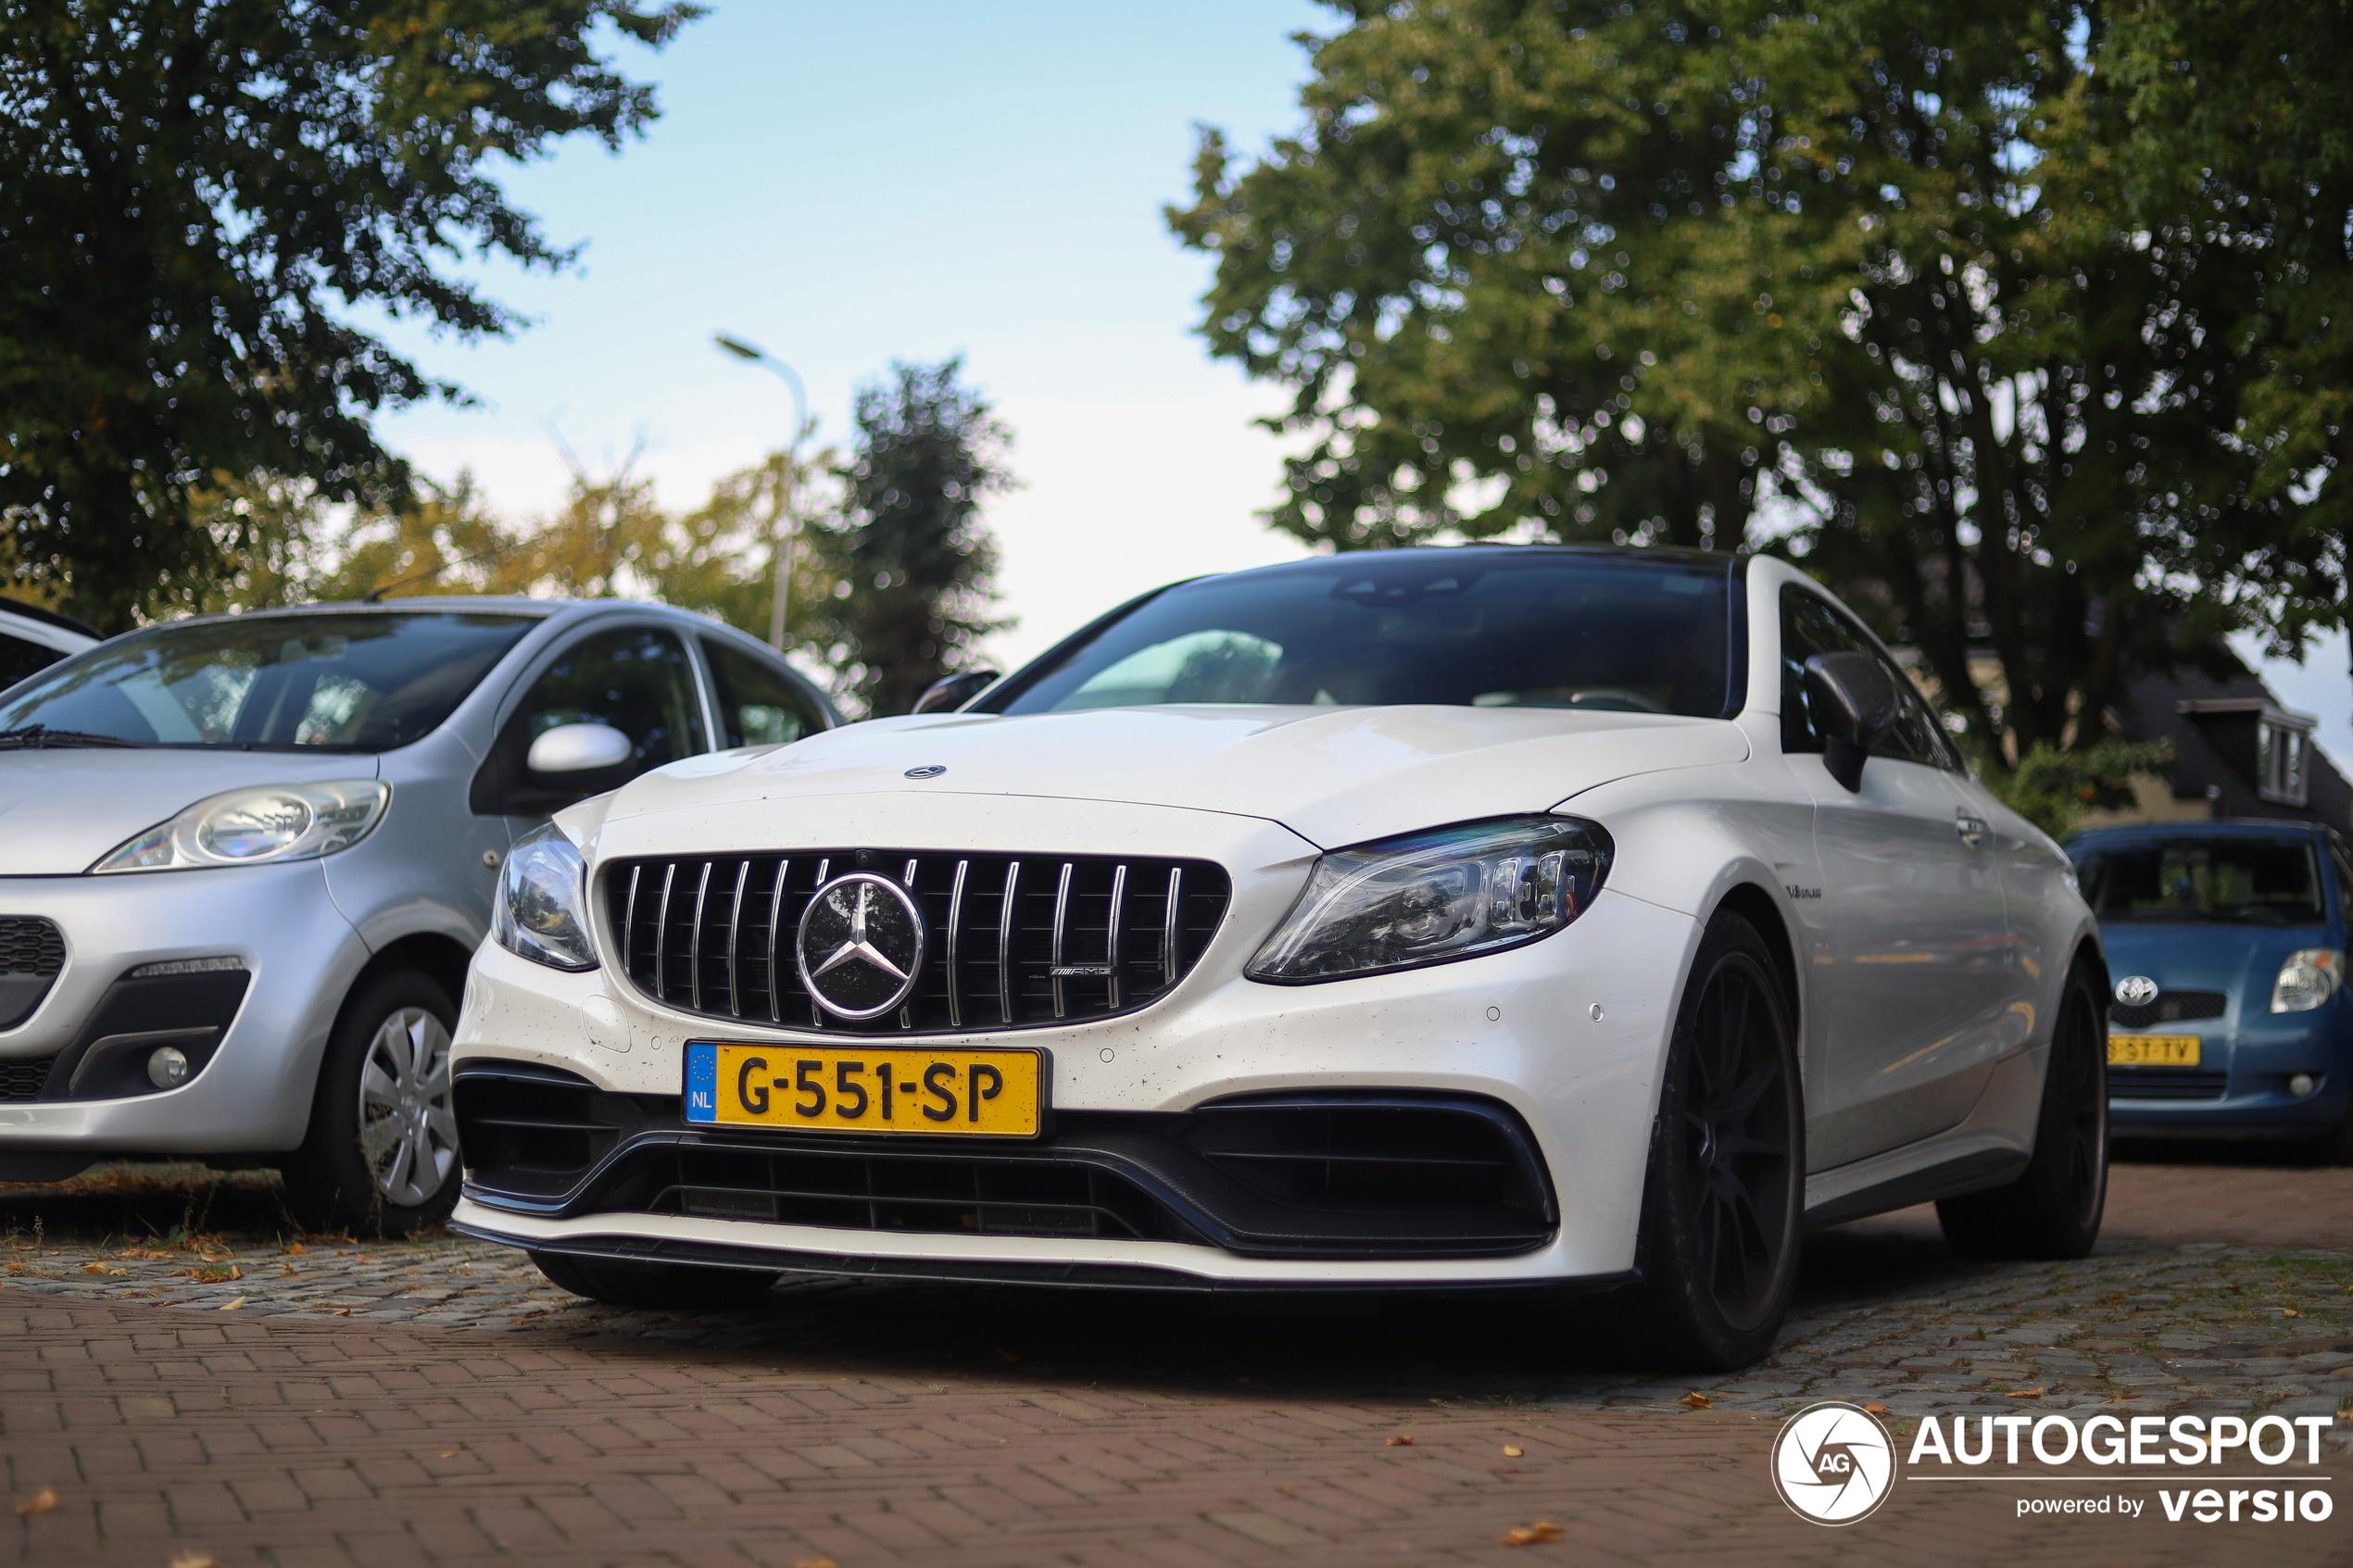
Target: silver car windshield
x: 1483, y: 628
x: 363, y: 683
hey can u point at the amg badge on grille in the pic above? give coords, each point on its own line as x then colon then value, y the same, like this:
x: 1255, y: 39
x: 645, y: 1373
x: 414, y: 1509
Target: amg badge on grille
x: 861, y: 946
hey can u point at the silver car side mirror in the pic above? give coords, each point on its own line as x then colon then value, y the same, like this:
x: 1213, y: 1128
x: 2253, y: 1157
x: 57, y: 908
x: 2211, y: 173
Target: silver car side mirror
x: 1852, y: 702
x: 577, y: 748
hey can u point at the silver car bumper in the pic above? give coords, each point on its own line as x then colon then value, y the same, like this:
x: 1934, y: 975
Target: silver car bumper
x: 253, y: 1093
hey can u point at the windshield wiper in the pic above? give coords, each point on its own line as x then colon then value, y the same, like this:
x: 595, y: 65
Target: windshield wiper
x: 41, y: 737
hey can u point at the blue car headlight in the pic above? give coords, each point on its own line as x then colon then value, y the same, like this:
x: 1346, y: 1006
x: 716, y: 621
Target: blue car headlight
x: 2310, y: 977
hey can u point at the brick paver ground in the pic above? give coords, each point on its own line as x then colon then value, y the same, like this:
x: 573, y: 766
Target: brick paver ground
x: 872, y: 1425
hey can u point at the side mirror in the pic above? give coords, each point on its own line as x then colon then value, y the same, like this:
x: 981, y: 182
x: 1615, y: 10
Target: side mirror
x: 1853, y: 701
x: 942, y: 697
x: 578, y: 748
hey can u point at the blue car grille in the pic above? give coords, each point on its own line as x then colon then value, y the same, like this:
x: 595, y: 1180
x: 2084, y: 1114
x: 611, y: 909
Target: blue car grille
x: 2159, y: 1082
x: 2171, y: 1007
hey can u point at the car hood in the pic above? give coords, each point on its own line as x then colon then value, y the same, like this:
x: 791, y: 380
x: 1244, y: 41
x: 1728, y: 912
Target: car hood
x: 1335, y: 776
x: 60, y: 810
x: 2242, y: 960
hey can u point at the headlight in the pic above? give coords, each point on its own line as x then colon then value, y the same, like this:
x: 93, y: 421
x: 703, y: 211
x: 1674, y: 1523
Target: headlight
x: 1429, y: 898
x: 2309, y: 978
x: 543, y: 893
x: 248, y: 827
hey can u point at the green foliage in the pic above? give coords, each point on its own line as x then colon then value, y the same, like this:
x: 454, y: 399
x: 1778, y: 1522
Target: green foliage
x: 1861, y: 274
x: 194, y: 194
x: 2054, y: 789
x: 910, y: 558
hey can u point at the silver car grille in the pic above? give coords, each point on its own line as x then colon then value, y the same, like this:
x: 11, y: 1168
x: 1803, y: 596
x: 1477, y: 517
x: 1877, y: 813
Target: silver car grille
x: 1017, y: 941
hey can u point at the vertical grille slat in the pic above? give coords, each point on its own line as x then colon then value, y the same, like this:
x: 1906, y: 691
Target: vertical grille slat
x: 1097, y: 941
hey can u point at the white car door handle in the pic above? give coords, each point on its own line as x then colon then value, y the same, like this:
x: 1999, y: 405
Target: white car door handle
x: 1971, y: 829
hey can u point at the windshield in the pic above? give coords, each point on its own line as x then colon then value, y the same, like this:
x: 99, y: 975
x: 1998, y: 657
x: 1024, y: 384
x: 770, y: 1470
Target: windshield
x: 2204, y: 881
x: 332, y: 683
x: 1471, y: 628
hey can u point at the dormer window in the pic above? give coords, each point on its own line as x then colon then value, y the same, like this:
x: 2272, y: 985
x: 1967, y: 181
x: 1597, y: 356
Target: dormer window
x: 2283, y: 759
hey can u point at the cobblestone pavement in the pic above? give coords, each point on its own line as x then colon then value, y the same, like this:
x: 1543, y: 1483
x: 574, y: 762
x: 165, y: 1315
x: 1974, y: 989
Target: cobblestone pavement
x: 228, y: 1394
x: 1886, y: 1313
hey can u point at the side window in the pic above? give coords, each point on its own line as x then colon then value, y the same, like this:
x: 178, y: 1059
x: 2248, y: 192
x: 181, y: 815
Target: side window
x: 636, y: 679
x: 757, y: 706
x: 20, y: 657
x: 1811, y: 625
x: 2344, y: 870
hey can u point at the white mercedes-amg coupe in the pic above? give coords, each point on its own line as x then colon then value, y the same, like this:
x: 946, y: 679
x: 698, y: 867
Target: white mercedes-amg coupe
x: 1424, y: 919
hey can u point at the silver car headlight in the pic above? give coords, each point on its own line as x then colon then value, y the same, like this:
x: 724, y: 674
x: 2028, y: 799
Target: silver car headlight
x: 257, y: 826
x: 2309, y: 978
x: 1435, y: 897
x: 542, y: 910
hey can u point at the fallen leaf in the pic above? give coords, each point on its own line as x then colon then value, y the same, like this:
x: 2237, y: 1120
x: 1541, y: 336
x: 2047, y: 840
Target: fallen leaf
x: 295, y: 1249
x: 102, y: 1269
x: 2026, y: 1393
x: 1528, y: 1535
x: 1513, y: 1451
x: 194, y: 1560
x: 340, y: 1312
x: 1875, y: 1408
x: 1697, y: 1400
x: 233, y: 1306
x: 816, y: 1563
x: 41, y: 1501
x: 449, y: 1453
x: 1503, y: 1470
x: 1006, y: 1355
x: 2290, y: 1312
x: 1403, y: 1440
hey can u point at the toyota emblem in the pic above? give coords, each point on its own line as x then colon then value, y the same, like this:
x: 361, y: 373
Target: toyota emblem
x: 2137, y: 990
x: 861, y: 946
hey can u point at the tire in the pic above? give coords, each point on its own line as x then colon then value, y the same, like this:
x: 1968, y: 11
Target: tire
x: 678, y: 1286
x: 380, y: 1156
x: 2052, y: 1212
x: 1725, y: 1188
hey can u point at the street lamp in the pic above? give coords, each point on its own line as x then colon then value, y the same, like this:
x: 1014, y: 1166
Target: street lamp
x: 752, y: 354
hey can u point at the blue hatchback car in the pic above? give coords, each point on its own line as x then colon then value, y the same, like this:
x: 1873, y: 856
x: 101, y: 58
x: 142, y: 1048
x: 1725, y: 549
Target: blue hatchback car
x: 2226, y: 942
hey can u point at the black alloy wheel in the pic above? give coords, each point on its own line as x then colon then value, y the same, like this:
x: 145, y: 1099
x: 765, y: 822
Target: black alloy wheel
x: 2052, y: 1212
x: 1722, y: 1200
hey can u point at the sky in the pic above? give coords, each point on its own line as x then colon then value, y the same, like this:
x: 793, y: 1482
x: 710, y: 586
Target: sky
x: 848, y: 185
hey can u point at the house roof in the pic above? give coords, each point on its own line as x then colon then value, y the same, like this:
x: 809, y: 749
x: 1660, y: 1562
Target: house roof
x: 2211, y: 719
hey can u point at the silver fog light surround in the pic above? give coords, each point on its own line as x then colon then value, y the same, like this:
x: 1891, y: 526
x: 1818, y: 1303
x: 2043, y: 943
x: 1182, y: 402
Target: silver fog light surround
x: 2309, y: 978
x: 1435, y: 897
x: 541, y: 910
x: 246, y: 827
x: 168, y: 1068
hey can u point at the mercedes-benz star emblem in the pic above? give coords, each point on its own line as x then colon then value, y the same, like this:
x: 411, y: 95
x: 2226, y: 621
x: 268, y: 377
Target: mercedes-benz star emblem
x: 861, y: 948
x: 2137, y: 990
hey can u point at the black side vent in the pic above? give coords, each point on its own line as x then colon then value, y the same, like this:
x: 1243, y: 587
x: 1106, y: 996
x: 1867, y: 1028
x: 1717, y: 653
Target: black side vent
x: 32, y: 952
x: 1016, y: 941
x: 531, y: 1131
x: 2171, y: 1007
x: 22, y: 1079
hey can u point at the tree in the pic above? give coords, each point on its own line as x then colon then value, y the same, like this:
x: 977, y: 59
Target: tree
x: 911, y: 559
x: 194, y: 197
x: 1859, y: 275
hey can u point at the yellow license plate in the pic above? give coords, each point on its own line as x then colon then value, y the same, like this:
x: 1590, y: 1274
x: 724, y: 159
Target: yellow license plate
x: 2152, y: 1051
x: 867, y: 1089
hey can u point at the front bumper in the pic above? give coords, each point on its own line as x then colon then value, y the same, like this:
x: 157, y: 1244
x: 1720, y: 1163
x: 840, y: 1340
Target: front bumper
x: 2240, y: 1089
x: 252, y: 1091
x: 1566, y: 1036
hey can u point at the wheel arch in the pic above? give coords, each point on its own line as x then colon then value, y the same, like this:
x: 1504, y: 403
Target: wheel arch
x: 1762, y: 909
x: 441, y: 959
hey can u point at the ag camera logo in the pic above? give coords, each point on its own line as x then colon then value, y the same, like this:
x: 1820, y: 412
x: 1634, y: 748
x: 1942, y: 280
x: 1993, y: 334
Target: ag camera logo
x: 1833, y: 1464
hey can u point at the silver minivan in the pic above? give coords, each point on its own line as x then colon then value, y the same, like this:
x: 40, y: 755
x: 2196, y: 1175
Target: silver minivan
x: 245, y: 860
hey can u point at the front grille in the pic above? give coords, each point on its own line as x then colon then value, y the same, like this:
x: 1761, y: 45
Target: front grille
x: 1015, y: 941
x: 32, y: 952
x: 2171, y: 1007
x: 22, y: 1079
x: 901, y: 1191
x: 2147, y: 1083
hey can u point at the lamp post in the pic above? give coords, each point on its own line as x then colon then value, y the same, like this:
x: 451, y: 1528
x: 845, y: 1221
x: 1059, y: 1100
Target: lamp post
x: 752, y: 354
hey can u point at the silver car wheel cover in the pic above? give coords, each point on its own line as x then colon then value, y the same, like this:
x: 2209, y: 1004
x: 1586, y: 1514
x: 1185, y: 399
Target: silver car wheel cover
x: 407, y: 1135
